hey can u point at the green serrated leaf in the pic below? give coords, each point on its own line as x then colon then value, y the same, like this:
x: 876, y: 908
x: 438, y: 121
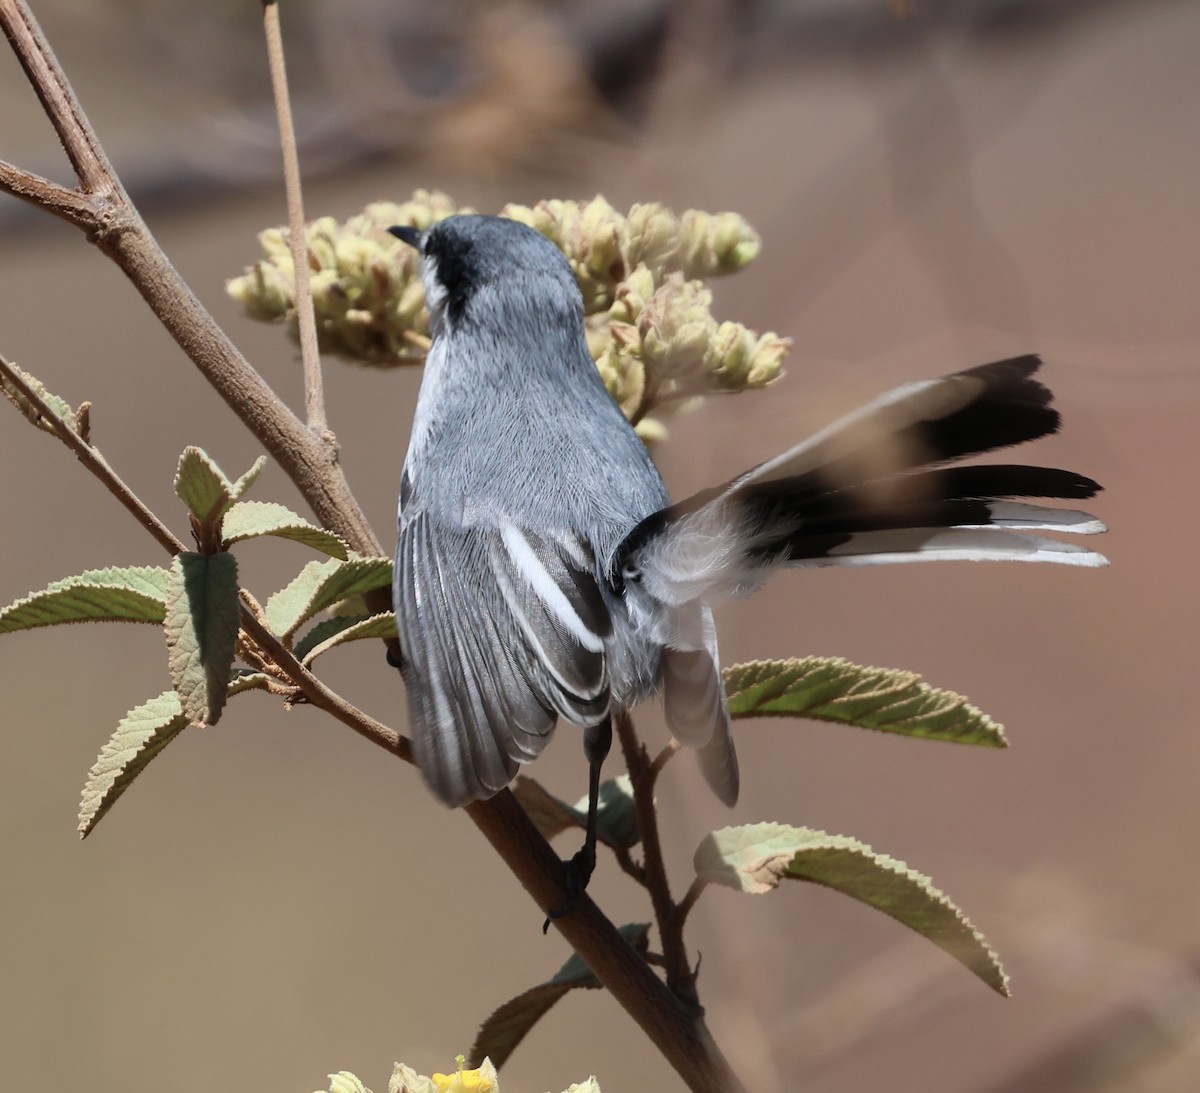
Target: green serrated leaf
x: 833, y: 689
x: 341, y: 629
x: 499, y: 1035
x: 345, y: 1082
x: 60, y: 407
x: 202, y: 486
x: 320, y: 585
x: 351, y: 605
x: 756, y: 857
x: 616, y: 814
x: 141, y: 734
x: 244, y: 679
x: 201, y: 627
x: 251, y: 519
x: 511, y: 1022
x: 128, y: 594
x: 238, y: 489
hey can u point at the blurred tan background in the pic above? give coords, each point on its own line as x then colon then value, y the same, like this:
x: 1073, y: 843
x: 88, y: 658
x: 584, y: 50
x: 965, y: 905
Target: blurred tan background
x: 275, y: 899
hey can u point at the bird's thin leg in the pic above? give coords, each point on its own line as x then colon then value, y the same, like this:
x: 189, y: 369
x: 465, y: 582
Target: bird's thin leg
x: 597, y: 739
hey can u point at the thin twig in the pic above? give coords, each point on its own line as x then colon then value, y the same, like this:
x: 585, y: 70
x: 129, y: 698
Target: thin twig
x: 71, y: 205
x: 641, y: 775
x: 52, y: 88
x: 91, y: 458
x: 628, y: 865
x: 314, y: 390
x: 664, y: 757
x: 684, y: 906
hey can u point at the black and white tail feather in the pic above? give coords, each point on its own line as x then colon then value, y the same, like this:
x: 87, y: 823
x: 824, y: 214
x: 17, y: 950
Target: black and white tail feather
x: 868, y: 490
x: 552, y: 578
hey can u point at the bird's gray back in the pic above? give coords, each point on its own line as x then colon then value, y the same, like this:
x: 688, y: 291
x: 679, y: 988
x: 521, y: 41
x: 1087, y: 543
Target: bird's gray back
x: 581, y: 466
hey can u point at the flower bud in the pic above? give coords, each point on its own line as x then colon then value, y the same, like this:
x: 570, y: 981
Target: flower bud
x: 713, y: 245
x: 599, y: 238
x: 631, y: 295
x: 599, y: 337
x: 676, y: 324
x: 522, y: 214
x: 555, y: 220
x: 624, y: 375
x: 728, y: 356
x: 321, y: 237
x: 651, y: 430
x: 406, y: 1080
x: 652, y: 235
x: 422, y: 210
x: 766, y: 363
x: 275, y: 244
x: 265, y: 291
x: 409, y: 310
x: 734, y: 243
x: 328, y: 296
x: 352, y: 256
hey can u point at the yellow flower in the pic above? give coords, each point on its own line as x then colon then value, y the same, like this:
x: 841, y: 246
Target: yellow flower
x: 482, y: 1080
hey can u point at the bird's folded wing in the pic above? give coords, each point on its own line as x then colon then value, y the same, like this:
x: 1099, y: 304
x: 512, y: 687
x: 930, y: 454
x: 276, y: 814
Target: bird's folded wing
x: 502, y: 631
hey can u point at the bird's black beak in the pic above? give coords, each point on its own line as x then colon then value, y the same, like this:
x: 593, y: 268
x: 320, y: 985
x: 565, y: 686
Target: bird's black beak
x: 414, y: 237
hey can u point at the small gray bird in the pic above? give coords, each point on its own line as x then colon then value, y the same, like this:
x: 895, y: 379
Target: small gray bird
x: 542, y: 572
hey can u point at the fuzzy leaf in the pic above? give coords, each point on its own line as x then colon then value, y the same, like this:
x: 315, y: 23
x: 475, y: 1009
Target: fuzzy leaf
x: 60, y: 407
x: 128, y: 594
x: 202, y: 486
x: 237, y: 490
x: 833, y: 689
x: 616, y: 815
x: 320, y: 585
x: 244, y: 679
x: 345, y: 1082
x: 499, y: 1035
x: 201, y: 628
x: 250, y: 519
x: 755, y: 858
x: 406, y: 1080
x: 141, y: 734
x: 351, y: 605
x: 343, y: 628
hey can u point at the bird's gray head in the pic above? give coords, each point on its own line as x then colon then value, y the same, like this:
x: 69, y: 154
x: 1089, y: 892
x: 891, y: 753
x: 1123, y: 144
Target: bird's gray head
x: 464, y: 257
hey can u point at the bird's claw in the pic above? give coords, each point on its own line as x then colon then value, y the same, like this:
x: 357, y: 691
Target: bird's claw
x: 579, y: 872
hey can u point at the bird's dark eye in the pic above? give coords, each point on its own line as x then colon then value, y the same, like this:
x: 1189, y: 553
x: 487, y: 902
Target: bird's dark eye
x: 631, y: 574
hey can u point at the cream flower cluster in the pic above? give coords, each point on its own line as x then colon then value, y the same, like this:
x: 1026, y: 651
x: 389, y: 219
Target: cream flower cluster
x: 643, y: 274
